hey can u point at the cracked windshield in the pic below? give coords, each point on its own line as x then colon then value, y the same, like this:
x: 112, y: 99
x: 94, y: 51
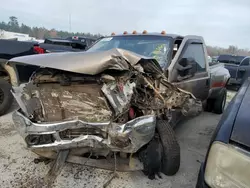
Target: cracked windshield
x: 152, y: 46
x: 124, y: 94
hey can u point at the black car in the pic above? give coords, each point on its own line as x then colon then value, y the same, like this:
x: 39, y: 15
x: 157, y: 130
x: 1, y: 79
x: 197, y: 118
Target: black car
x: 227, y: 163
x: 80, y: 43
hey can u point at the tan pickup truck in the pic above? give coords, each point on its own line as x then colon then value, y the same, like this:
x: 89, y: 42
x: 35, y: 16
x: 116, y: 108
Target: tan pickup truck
x: 118, y: 101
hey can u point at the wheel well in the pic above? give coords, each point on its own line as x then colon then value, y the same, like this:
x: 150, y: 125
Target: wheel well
x: 4, y: 74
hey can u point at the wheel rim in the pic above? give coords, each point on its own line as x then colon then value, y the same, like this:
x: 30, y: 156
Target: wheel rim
x: 1, y: 96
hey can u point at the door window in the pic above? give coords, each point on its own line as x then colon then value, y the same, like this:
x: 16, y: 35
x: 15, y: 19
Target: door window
x: 245, y: 62
x: 196, y: 52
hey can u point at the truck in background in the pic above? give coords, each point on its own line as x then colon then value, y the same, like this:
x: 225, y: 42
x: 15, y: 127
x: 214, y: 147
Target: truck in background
x: 238, y: 67
x: 76, y: 42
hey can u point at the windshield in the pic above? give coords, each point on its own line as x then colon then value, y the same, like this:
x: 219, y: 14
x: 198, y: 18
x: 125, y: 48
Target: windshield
x: 157, y: 47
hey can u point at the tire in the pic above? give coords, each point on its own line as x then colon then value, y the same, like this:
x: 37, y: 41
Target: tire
x: 220, y: 101
x: 171, y: 148
x: 209, y: 105
x: 6, y: 97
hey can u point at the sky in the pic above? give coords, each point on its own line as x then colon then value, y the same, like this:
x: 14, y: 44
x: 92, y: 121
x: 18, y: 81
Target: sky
x: 220, y: 22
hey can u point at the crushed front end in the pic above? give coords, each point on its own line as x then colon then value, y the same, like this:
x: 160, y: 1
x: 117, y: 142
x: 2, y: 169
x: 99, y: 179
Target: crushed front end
x: 113, y: 110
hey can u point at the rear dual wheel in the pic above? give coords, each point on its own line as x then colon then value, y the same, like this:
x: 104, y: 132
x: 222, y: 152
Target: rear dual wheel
x: 217, y: 105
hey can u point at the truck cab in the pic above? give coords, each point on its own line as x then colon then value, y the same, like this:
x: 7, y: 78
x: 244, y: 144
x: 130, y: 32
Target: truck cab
x: 182, y: 58
x: 189, y: 68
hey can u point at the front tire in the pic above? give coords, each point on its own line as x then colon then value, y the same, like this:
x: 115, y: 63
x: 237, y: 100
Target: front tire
x: 171, y: 148
x: 6, y: 97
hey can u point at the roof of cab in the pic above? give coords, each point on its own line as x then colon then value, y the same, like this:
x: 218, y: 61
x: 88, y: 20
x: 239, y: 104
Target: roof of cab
x: 174, y: 36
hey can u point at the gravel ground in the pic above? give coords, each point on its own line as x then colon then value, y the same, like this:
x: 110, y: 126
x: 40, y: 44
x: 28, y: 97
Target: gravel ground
x: 18, y: 170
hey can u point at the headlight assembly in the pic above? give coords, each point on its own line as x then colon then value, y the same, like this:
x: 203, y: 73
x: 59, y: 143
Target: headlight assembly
x: 227, y: 166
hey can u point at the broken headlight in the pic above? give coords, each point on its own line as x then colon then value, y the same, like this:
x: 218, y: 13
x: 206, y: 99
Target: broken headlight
x: 227, y: 166
x: 36, y: 139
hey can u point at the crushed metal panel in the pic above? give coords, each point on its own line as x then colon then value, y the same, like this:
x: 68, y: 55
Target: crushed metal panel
x: 119, y: 95
x: 91, y: 63
x: 53, y: 102
x: 127, y: 138
x: 76, y: 101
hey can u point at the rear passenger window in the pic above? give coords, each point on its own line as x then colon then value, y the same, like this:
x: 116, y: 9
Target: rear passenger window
x: 245, y: 62
x: 196, y: 51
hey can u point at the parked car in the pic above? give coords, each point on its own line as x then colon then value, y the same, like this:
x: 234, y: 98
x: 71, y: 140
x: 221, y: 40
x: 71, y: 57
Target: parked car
x: 238, y: 67
x: 76, y: 42
x: 227, y: 163
x: 13, y: 48
x: 123, y: 97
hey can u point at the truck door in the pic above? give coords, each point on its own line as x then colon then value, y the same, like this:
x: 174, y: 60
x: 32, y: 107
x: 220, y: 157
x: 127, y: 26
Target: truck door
x: 230, y: 63
x: 199, y: 82
x: 243, y: 70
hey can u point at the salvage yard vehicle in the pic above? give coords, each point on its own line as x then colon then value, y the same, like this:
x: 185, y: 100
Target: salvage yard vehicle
x: 227, y: 163
x: 118, y: 101
x: 10, y: 49
x: 75, y: 42
x: 238, y: 66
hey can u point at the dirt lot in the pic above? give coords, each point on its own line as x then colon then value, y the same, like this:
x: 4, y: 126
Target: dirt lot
x: 17, y: 168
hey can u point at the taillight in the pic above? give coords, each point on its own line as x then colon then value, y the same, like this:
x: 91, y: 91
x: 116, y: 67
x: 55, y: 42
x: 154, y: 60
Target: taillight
x: 74, y: 38
x: 38, y: 49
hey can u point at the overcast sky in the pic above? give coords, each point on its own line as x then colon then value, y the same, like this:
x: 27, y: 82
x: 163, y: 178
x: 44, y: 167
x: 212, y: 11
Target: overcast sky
x: 220, y: 22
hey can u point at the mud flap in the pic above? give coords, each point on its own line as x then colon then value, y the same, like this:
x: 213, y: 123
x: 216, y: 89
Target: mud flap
x: 57, y: 167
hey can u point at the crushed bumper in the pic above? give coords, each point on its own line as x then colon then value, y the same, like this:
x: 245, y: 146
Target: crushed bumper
x: 127, y: 137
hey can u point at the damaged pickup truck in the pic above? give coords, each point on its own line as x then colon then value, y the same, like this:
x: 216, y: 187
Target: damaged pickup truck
x: 118, y: 102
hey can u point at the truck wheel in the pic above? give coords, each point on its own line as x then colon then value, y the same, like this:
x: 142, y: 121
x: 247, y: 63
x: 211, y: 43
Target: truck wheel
x: 171, y: 148
x: 220, y: 101
x: 6, y: 97
x: 209, y: 105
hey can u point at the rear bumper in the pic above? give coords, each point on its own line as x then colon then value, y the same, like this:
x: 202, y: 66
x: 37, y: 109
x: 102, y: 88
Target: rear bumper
x: 127, y: 138
x: 201, y: 181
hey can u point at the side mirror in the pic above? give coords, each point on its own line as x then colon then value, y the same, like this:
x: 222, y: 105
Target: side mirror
x: 186, y: 68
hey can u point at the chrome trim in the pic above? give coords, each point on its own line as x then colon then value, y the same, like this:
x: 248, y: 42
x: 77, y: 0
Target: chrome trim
x: 135, y: 133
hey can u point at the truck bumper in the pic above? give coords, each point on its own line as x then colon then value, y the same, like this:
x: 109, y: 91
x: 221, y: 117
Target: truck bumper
x: 127, y: 138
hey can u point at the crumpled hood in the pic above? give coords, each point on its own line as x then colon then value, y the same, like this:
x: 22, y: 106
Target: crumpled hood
x: 91, y: 63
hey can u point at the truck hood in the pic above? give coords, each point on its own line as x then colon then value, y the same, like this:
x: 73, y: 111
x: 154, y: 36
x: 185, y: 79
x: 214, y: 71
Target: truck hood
x: 241, y: 128
x: 90, y: 63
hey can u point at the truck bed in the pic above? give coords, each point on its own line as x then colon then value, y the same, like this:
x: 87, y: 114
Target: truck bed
x: 219, y: 75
